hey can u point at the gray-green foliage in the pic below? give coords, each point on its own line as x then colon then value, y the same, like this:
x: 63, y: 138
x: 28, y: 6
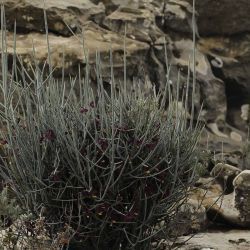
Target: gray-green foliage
x: 9, y: 209
x: 111, y: 165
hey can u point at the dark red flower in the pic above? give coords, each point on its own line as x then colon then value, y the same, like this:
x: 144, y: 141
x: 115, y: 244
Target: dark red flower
x: 97, y: 121
x: 158, y: 125
x: 115, y: 216
x: 83, y: 110
x: 102, y: 208
x: 166, y: 194
x: 86, y: 210
x: 130, y: 216
x: 154, y: 142
x: 3, y: 142
x: 151, y: 146
x: 89, y: 194
x: 49, y: 135
x: 55, y: 176
x: 83, y: 151
x: 138, y: 142
x: 150, y: 188
x: 124, y: 128
x: 92, y: 104
x: 103, y: 143
x: 86, y: 193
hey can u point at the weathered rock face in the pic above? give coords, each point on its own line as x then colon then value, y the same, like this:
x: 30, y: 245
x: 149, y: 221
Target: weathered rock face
x: 224, y: 17
x: 218, y: 240
x: 178, y: 17
x: 234, y: 54
x: 29, y: 14
x: 242, y: 195
x: 214, y: 105
x: 140, y: 24
x: 68, y: 52
x: 223, y: 38
x: 225, y: 174
x: 232, y: 208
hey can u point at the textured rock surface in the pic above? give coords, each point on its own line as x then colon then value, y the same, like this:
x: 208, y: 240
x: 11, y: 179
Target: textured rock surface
x: 193, y: 217
x: 234, y: 53
x: 225, y: 174
x: 233, y: 208
x: 242, y: 195
x: 95, y: 39
x: 29, y: 14
x: 140, y: 24
x: 219, y: 240
x: 178, y: 16
x: 222, y: 17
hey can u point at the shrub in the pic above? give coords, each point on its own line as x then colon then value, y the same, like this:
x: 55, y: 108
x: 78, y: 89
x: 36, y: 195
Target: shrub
x: 107, y: 168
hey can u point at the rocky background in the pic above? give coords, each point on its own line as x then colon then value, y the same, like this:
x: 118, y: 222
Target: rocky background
x: 222, y: 32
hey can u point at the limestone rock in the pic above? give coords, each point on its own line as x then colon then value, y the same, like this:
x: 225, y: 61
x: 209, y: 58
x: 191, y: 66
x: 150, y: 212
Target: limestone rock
x: 242, y: 195
x: 193, y: 216
x: 95, y: 39
x: 219, y: 207
x: 237, y: 116
x: 225, y: 174
x: 217, y: 240
x: 178, y: 17
x: 140, y: 23
x: 232, y: 158
x: 209, y: 89
x: 246, y: 156
x: 29, y: 14
x: 245, y: 112
x: 235, y: 54
x: 222, y: 17
x: 243, y: 180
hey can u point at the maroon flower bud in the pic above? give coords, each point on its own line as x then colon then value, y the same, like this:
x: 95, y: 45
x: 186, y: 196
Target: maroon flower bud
x: 166, y: 194
x: 83, y: 151
x: 49, y: 135
x: 151, y: 146
x: 103, y: 143
x: 150, y: 189
x: 102, y: 208
x: 92, y: 104
x: 83, y: 110
x: 97, y: 122
x: 41, y: 139
x: 115, y: 216
x: 130, y: 216
x: 124, y: 128
x: 137, y: 142
x: 55, y: 176
x: 86, y: 211
x: 3, y: 142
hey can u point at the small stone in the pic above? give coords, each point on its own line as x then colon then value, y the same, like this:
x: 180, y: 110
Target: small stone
x: 242, y: 196
x: 244, y: 112
x: 193, y: 214
x: 225, y: 174
x: 236, y: 136
x: 242, y: 180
